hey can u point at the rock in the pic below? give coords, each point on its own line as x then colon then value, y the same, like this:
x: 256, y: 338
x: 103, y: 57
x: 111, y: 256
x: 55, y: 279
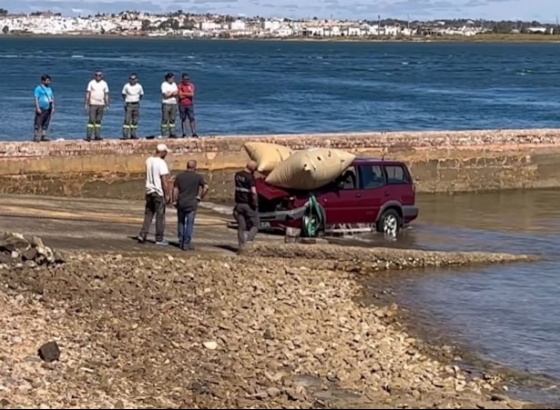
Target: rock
x: 30, y: 254
x: 5, y: 403
x: 49, y: 352
x: 499, y: 397
x: 210, y: 345
x: 119, y: 405
x: 262, y: 395
x: 36, y: 241
x: 273, y: 392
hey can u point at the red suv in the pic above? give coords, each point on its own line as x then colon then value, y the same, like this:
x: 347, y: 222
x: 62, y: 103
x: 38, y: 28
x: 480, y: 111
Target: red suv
x: 371, y: 194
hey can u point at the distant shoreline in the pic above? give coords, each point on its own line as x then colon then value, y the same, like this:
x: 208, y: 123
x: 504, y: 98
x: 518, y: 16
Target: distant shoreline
x: 479, y: 38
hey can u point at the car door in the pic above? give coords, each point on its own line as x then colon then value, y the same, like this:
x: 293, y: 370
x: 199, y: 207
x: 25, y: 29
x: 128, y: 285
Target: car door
x: 399, y: 186
x: 340, y: 199
x: 372, y: 185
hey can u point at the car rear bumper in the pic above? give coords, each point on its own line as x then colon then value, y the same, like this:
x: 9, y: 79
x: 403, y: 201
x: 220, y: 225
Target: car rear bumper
x: 410, y: 213
x: 283, y: 216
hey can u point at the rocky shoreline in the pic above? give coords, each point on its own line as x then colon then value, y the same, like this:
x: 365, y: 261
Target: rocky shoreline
x: 251, y: 331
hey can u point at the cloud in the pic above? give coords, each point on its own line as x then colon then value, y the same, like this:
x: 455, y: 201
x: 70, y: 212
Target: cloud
x: 358, y: 9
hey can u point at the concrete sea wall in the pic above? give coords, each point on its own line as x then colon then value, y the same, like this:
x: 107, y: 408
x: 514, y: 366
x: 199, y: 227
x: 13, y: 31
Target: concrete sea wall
x: 443, y: 162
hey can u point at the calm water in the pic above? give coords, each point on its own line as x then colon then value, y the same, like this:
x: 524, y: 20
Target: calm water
x: 507, y: 312
x: 289, y: 87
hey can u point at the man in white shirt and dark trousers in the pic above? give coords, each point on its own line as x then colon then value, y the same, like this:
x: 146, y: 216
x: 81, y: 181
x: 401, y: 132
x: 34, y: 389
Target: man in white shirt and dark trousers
x: 158, y: 195
x: 132, y: 93
x: 97, y: 101
x: 169, y: 94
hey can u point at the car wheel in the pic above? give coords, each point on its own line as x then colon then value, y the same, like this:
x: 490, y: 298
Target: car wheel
x: 390, y: 223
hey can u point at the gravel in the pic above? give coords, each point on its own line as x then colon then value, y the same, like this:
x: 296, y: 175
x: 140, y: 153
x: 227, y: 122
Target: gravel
x: 217, y: 332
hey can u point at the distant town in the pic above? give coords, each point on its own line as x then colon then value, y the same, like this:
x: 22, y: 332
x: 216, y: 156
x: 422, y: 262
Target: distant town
x: 187, y: 25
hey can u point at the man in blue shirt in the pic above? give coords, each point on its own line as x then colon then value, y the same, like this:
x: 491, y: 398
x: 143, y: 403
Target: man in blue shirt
x: 44, y: 108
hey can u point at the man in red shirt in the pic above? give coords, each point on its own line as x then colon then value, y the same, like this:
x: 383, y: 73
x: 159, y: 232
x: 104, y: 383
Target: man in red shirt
x: 186, y: 105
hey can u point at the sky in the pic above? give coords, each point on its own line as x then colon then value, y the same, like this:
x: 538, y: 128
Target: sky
x: 542, y: 10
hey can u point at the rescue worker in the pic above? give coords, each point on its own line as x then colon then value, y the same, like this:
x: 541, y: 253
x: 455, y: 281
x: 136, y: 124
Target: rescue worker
x: 44, y: 108
x: 169, y: 94
x: 246, y: 211
x: 132, y: 93
x: 96, y: 103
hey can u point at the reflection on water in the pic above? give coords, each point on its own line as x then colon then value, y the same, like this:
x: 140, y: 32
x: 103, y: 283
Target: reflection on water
x: 508, y: 312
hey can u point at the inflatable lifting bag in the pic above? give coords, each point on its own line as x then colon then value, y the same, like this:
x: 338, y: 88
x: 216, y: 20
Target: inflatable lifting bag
x: 266, y: 155
x: 310, y: 169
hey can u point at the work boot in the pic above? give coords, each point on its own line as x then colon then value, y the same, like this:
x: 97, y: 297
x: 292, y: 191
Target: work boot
x: 89, y: 133
x: 98, y: 133
x: 125, y: 132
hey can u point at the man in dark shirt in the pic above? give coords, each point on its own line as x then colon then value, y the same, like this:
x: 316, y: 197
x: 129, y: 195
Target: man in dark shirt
x: 188, y: 191
x: 246, y: 211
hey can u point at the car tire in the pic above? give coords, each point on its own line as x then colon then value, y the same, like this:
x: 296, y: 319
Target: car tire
x: 390, y: 222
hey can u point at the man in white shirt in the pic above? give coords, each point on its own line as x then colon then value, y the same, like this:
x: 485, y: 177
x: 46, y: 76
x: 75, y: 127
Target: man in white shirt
x: 157, y: 195
x: 132, y: 93
x: 97, y: 101
x: 169, y: 94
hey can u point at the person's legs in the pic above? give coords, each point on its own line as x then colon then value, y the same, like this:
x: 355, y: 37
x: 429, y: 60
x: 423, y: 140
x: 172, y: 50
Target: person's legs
x: 45, y: 125
x: 127, y: 121
x: 159, y: 202
x: 188, y: 230
x: 149, y: 212
x: 91, y: 122
x: 180, y: 226
x: 37, y: 125
x: 183, y: 117
x: 253, y: 216
x: 192, y: 121
x: 172, y: 116
x: 100, y: 109
x: 164, y: 120
x: 239, y: 216
x: 134, y: 117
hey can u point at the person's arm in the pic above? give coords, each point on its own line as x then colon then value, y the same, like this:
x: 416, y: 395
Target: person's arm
x: 254, y: 193
x: 52, y: 101
x: 37, y: 97
x: 123, y: 92
x: 190, y: 92
x: 204, y: 188
x: 88, y: 95
x: 164, y: 92
x: 164, y: 172
x: 107, y: 96
x: 141, y: 92
x: 175, y: 192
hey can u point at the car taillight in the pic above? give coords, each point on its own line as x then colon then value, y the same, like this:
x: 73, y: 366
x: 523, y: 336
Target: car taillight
x: 289, y: 202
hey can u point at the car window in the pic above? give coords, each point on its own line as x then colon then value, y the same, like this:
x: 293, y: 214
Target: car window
x: 371, y: 176
x: 349, y: 179
x: 396, y: 174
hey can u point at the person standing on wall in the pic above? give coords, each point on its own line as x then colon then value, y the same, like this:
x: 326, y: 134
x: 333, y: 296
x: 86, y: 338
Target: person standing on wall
x: 189, y: 189
x: 186, y: 105
x: 169, y: 93
x: 132, y: 93
x: 157, y: 195
x: 44, y: 108
x: 246, y: 212
x: 96, y: 103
